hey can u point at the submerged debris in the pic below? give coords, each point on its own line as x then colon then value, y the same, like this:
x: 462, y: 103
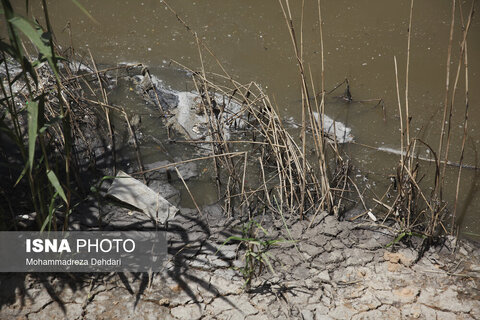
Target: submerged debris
x: 187, y: 110
x: 336, y: 129
x: 191, y: 115
x: 133, y: 192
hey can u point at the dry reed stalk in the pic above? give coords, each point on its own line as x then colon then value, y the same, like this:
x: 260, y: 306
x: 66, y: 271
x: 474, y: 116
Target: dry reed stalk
x: 231, y: 154
x: 105, y: 70
x: 135, y: 145
x: 321, y: 112
x: 319, y: 138
x: 148, y: 75
x: 412, y: 194
x: 322, y: 58
x: 407, y: 114
x: 264, y: 183
x: 465, y: 121
x: 342, y: 191
x: 304, y: 148
x: 399, y: 111
x: 359, y: 194
x: 246, y: 142
x: 105, y: 105
x: 215, y: 163
x: 107, y: 114
x: 299, y: 187
x: 66, y: 119
x: 455, y: 86
x: 414, y: 181
x: 246, y: 202
x: 447, y: 89
x: 287, y: 160
x: 188, y: 190
x: 389, y: 208
x: 199, y: 41
x: 319, y: 134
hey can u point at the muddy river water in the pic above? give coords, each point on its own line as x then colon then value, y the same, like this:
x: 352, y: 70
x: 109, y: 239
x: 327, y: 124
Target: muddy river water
x: 361, y: 38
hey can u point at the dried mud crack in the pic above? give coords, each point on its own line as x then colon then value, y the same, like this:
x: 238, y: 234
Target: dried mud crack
x: 335, y: 270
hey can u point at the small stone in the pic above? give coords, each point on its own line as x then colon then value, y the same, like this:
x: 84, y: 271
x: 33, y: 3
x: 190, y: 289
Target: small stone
x: 405, y: 292
x: 407, y: 256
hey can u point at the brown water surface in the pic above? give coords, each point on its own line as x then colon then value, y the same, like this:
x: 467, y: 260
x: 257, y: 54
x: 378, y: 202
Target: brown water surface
x: 362, y: 37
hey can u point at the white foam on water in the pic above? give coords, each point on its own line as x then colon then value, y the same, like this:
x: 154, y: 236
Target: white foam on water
x: 341, y: 131
x: 391, y: 150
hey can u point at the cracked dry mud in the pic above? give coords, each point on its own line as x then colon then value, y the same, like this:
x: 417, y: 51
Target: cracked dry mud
x: 337, y: 270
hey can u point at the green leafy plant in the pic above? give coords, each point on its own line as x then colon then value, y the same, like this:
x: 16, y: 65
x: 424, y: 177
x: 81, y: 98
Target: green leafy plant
x: 48, y: 179
x: 256, y: 255
x: 403, y: 235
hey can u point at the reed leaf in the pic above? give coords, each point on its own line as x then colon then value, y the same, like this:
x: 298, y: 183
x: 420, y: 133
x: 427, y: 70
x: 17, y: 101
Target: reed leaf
x: 85, y: 11
x: 32, y: 107
x: 36, y: 35
x: 51, y: 211
x: 14, y: 49
x: 52, y: 177
x: 22, y: 174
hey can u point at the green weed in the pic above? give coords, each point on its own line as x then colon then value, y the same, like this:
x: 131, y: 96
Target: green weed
x: 256, y: 255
